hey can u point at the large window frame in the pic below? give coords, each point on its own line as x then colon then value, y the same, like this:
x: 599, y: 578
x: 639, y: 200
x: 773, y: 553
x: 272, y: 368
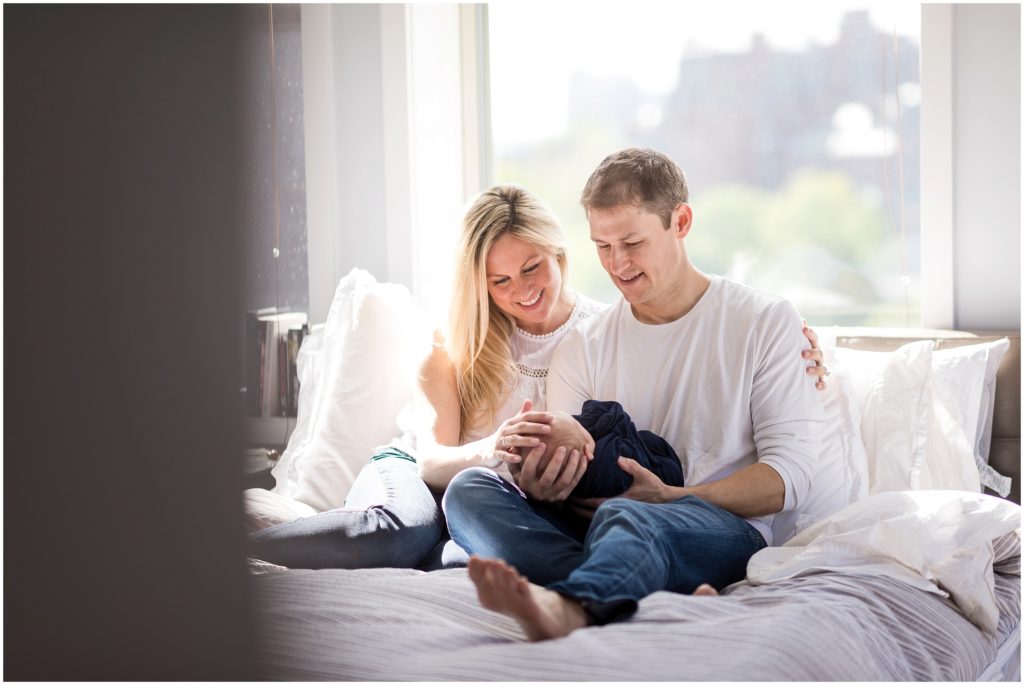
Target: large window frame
x: 467, y: 25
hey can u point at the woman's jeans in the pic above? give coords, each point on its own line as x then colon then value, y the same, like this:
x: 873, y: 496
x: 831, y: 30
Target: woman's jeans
x: 390, y: 519
x: 630, y: 550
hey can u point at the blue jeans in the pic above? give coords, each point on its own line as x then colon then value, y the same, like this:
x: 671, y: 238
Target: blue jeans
x: 630, y: 550
x: 490, y: 517
x: 390, y: 519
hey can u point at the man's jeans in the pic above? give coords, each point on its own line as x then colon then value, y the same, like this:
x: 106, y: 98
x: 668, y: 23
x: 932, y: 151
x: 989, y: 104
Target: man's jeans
x: 390, y: 519
x: 631, y: 549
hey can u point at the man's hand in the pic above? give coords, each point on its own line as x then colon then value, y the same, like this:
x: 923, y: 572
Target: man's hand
x: 550, y: 479
x: 646, y: 487
x: 818, y: 370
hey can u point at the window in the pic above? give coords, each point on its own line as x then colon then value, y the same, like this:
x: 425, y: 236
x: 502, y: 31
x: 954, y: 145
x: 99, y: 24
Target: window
x: 800, y: 139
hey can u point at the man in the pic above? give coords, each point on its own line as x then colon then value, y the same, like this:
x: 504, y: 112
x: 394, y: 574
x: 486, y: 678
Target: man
x: 705, y: 363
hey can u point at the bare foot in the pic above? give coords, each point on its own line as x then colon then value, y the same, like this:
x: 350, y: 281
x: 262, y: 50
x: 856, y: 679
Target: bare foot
x: 541, y: 613
x: 705, y: 590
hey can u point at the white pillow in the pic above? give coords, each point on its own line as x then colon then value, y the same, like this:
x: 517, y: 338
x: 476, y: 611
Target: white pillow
x: 937, y: 447
x: 352, y: 388
x: 939, y: 541
x: 996, y: 351
x: 969, y: 375
x: 843, y: 433
x: 893, y: 395
x: 265, y: 508
x: 309, y: 368
x: 948, y: 462
x: 958, y: 375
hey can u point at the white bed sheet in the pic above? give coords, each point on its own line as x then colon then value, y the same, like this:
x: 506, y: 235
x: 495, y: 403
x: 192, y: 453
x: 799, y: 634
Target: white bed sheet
x: 855, y: 597
x: 391, y: 624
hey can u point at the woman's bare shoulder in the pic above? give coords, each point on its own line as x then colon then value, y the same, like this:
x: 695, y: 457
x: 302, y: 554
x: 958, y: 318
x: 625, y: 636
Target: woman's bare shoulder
x: 438, y: 362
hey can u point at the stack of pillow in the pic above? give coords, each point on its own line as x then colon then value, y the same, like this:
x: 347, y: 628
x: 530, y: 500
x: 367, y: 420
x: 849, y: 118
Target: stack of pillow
x: 925, y: 414
x: 913, y: 419
x: 357, y: 375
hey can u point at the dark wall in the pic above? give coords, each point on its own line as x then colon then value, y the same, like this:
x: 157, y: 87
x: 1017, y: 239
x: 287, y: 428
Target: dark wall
x: 122, y: 527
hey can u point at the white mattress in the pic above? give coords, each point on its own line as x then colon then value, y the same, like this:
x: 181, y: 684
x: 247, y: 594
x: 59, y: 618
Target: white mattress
x: 391, y: 624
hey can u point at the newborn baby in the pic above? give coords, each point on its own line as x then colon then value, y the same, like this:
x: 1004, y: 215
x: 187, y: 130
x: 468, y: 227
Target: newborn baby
x: 615, y: 436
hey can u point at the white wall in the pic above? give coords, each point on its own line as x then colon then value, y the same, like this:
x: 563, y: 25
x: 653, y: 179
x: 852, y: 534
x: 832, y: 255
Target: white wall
x: 986, y: 166
x: 970, y: 166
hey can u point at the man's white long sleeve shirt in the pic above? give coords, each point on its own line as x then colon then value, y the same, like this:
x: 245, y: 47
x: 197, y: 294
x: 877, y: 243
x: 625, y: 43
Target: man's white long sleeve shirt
x: 724, y: 384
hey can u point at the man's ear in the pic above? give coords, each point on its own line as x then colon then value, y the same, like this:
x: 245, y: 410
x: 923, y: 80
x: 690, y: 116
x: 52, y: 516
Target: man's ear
x: 683, y: 216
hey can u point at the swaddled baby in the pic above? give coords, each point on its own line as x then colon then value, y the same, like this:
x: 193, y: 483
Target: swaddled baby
x: 615, y: 436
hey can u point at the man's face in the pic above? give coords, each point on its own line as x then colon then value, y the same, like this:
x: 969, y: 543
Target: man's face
x: 644, y: 259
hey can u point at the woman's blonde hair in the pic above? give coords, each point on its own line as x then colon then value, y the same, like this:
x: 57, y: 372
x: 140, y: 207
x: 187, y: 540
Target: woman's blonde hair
x: 478, y: 331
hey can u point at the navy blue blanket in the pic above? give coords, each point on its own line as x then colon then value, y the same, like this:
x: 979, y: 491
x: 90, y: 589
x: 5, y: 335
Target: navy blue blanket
x: 615, y: 435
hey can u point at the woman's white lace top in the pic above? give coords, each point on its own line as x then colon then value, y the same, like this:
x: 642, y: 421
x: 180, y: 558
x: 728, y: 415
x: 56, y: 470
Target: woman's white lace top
x: 532, y: 355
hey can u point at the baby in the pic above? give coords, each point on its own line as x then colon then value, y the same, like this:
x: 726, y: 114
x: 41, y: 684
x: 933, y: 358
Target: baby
x: 614, y: 436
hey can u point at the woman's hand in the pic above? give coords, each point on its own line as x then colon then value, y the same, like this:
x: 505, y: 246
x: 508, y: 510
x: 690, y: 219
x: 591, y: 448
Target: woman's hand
x: 553, y: 467
x: 818, y: 369
x: 523, y: 431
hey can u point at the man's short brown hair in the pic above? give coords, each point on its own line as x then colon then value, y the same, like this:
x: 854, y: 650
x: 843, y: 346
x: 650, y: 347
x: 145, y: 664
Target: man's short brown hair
x: 637, y: 177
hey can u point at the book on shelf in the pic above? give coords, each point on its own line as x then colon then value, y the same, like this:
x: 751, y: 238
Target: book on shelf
x: 272, y: 343
x: 282, y: 375
x: 295, y: 337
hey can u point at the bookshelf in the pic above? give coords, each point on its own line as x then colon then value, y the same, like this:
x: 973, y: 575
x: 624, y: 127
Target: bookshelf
x: 271, y: 385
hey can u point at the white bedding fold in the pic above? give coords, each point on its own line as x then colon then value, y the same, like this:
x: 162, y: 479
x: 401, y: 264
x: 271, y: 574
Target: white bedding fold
x: 939, y: 541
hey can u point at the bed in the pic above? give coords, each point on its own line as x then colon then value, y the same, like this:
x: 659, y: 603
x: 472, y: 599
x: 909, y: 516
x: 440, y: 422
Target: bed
x: 877, y: 591
x: 395, y: 624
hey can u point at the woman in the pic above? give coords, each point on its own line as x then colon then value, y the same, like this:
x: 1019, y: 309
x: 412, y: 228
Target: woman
x: 510, y: 310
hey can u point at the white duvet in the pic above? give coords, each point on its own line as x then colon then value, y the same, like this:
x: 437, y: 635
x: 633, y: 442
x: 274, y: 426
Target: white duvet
x: 938, y: 541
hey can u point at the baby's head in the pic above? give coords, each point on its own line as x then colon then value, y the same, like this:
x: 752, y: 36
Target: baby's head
x: 565, y: 431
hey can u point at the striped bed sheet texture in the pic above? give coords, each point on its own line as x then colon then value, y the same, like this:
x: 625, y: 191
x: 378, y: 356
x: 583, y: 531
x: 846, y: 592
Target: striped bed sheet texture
x: 395, y: 624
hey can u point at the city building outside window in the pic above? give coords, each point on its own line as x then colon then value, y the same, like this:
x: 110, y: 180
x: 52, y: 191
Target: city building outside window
x: 800, y: 139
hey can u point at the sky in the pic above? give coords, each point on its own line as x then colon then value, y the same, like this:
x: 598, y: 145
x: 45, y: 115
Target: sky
x: 535, y: 46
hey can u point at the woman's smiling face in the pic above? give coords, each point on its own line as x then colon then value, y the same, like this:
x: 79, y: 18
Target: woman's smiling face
x: 525, y: 282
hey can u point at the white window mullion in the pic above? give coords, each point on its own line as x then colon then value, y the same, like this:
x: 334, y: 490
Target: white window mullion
x: 436, y: 145
x: 476, y: 99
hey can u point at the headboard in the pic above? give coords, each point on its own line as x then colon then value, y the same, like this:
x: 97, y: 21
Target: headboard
x: 1004, y: 455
